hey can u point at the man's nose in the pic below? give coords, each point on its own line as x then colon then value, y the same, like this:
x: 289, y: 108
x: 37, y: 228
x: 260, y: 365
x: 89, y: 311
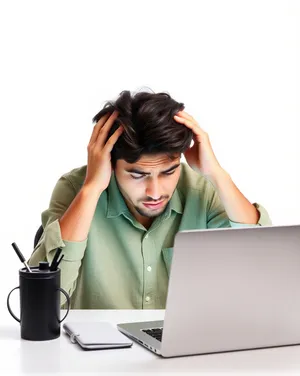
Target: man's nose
x: 153, y: 189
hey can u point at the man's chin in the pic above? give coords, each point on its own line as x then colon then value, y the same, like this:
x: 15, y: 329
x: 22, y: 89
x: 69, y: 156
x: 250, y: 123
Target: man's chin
x: 150, y: 212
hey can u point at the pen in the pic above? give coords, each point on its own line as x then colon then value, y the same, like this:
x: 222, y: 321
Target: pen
x: 58, y: 262
x: 55, y: 258
x: 21, y: 257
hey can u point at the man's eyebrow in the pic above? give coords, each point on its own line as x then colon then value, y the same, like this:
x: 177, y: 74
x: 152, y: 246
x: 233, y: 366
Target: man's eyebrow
x: 136, y: 171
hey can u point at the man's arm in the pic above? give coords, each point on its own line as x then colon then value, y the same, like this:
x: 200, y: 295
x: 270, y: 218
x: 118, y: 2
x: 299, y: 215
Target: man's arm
x: 236, y: 205
x: 218, y: 217
x: 202, y: 159
x: 76, y: 221
x: 66, y: 224
x: 67, y: 221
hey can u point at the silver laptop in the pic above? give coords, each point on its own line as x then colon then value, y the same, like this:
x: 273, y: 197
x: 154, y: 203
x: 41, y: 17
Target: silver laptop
x: 229, y: 289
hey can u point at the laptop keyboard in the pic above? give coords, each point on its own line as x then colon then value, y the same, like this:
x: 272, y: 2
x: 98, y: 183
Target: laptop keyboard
x: 154, y: 332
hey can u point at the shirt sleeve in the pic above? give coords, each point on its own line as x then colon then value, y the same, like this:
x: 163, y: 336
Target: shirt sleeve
x: 217, y: 216
x: 62, y: 196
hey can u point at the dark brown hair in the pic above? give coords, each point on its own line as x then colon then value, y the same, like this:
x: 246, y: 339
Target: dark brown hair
x: 149, y: 126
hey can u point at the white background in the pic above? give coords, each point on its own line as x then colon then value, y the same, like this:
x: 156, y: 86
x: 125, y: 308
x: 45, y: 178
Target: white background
x: 232, y: 63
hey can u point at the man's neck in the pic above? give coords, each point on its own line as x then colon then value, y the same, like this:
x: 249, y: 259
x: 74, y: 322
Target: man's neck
x: 146, y: 222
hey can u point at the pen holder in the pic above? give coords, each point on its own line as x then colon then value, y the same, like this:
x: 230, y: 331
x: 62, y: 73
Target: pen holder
x: 39, y: 303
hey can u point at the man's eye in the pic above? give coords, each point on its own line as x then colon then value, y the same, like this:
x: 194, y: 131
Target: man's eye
x: 142, y: 176
x: 170, y: 173
x: 137, y: 177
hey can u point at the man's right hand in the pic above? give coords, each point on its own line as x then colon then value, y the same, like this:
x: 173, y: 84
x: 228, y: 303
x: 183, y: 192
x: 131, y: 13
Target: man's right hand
x: 99, y: 166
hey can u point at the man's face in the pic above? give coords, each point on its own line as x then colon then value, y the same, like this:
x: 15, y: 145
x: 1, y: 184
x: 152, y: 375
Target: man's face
x: 148, y: 184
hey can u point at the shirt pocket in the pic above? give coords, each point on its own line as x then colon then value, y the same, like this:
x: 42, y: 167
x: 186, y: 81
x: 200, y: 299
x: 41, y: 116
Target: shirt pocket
x: 167, y: 257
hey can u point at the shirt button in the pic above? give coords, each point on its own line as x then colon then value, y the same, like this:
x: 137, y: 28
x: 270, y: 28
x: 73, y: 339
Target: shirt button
x: 146, y: 236
x: 149, y: 268
x: 147, y: 298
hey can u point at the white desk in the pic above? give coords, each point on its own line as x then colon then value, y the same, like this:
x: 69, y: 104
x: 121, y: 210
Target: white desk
x: 61, y: 357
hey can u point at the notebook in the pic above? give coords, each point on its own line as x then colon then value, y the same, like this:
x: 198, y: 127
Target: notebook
x: 96, y: 335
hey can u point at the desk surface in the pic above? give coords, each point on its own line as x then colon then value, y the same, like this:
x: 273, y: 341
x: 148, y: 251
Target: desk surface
x: 60, y: 356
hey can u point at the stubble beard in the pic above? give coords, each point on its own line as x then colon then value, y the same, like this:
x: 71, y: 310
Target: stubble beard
x: 150, y: 213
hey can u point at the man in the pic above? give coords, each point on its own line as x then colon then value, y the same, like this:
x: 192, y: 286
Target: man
x: 116, y: 217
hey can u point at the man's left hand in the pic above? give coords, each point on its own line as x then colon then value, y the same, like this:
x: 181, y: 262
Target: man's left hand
x: 200, y: 156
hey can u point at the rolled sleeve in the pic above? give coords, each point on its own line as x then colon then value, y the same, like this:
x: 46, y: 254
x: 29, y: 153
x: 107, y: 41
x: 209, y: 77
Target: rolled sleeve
x: 264, y: 219
x: 73, y: 251
x: 50, y: 240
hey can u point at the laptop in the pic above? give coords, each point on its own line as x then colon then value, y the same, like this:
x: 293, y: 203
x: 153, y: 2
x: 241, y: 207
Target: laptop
x: 229, y: 289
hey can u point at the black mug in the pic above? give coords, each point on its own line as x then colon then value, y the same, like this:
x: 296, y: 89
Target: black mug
x: 39, y: 303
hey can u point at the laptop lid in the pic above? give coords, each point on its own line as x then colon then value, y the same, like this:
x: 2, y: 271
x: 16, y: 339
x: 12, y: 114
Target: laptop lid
x: 233, y: 289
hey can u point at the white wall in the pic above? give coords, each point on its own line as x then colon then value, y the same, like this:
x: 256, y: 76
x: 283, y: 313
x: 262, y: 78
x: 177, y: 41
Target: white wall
x: 233, y: 64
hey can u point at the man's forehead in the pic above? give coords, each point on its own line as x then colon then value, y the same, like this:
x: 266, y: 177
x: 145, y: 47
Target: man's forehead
x: 154, y: 161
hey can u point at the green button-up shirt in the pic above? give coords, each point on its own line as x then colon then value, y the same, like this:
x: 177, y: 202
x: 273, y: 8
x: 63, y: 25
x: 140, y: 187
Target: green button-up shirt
x: 121, y: 264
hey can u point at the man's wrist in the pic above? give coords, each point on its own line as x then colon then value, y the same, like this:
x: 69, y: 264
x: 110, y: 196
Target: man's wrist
x: 219, y: 178
x: 91, y: 191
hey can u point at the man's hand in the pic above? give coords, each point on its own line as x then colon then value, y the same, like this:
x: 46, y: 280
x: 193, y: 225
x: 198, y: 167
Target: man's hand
x: 200, y: 156
x: 99, y: 166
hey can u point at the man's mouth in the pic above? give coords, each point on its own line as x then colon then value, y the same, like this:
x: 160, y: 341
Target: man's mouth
x: 154, y: 205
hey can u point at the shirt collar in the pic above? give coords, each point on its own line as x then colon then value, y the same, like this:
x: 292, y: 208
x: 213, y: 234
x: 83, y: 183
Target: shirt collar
x: 117, y: 206
x: 174, y: 204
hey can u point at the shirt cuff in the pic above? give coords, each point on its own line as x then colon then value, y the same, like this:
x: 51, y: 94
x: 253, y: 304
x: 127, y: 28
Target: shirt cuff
x: 264, y: 219
x: 72, y: 251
